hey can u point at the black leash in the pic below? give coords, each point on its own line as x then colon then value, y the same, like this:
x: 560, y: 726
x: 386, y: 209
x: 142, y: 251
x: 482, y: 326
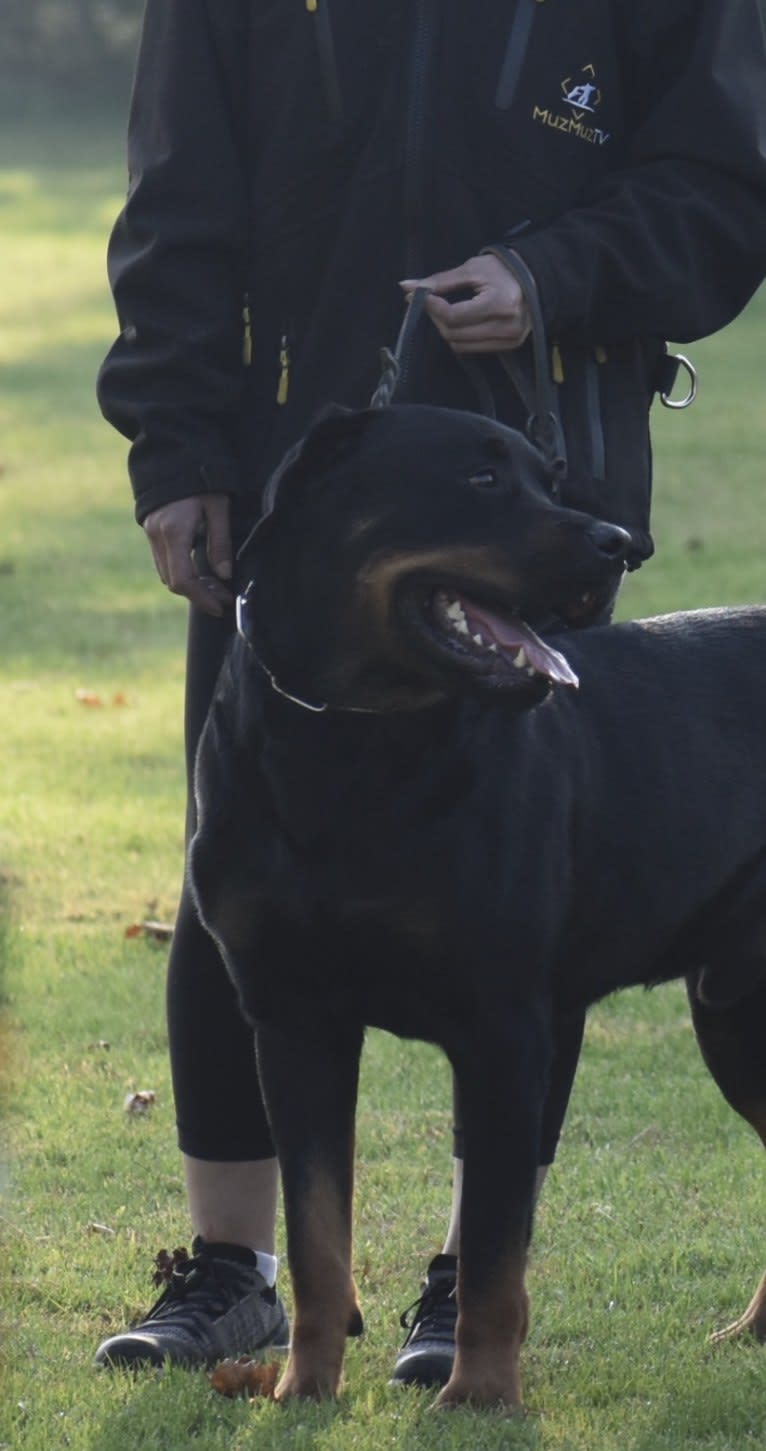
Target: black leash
x: 538, y: 394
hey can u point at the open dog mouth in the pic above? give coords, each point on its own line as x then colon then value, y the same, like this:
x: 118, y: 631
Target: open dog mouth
x: 490, y: 639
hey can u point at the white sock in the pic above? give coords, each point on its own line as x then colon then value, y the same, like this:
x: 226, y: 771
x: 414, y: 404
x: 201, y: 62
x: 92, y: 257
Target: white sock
x: 267, y: 1266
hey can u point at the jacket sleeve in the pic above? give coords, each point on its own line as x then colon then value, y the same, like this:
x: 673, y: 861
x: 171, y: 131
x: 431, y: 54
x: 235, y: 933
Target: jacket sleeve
x: 673, y: 244
x: 172, y: 381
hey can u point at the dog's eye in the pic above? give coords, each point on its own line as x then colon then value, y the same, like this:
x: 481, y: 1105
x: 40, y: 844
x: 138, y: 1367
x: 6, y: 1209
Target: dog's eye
x: 484, y: 479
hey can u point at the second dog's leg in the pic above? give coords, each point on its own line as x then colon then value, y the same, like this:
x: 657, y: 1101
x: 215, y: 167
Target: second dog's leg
x: 733, y: 1043
x: 502, y: 1072
x: 310, y: 1086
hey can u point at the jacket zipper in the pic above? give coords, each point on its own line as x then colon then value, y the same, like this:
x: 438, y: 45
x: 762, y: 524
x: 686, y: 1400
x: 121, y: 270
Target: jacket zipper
x: 594, y: 412
x: 515, y: 52
x: 283, y: 384
x: 247, y: 332
x: 414, y: 201
x: 327, y: 59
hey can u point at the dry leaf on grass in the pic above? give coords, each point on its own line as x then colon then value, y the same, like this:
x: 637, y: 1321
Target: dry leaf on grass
x: 94, y: 1228
x: 245, y: 1377
x: 140, y: 1102
x: 91, y: 697
x: 155, y: 931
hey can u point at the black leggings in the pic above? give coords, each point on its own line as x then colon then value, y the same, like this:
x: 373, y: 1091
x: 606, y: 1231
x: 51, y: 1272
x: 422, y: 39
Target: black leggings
x: 219, y: 1110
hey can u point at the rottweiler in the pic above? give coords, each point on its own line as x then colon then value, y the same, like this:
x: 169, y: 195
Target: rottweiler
x: 411, y: 817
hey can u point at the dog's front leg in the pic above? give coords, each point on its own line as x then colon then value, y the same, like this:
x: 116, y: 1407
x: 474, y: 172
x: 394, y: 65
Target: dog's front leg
x: 501, y: 1073
x: 309, y: 1083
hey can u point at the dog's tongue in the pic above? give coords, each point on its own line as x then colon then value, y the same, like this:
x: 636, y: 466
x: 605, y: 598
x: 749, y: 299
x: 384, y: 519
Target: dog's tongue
x: 512, y: 635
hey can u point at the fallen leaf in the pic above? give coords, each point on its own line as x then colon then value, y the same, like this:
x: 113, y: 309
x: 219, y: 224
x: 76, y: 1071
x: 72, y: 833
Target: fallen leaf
x: 88, y: 697
x: 160, y: 931
x: 157, y: 931
x: 245, y: 1377
x: 119, y: 698
x: 140, y: 1102
x: 95, y: 1228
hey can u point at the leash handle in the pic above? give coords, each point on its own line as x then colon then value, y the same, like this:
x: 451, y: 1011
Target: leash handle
x: 544, y: 421
x: 537, y: 394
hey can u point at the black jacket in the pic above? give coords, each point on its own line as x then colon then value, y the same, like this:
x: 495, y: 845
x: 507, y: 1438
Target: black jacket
x: 289, y: 163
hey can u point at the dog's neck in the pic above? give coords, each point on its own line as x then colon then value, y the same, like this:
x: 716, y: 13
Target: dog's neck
x: 312, y: 763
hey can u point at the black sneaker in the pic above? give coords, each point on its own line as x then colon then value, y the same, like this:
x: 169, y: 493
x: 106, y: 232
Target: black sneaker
x: 216, y: 1305
x: 426, y: 1357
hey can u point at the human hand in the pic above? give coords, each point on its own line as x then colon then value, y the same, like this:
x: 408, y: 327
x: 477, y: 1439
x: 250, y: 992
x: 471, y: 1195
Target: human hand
x: 174, y: 529
x: 494, y: 319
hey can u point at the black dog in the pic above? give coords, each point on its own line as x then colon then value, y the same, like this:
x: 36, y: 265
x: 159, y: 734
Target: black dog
x: 407, y: 820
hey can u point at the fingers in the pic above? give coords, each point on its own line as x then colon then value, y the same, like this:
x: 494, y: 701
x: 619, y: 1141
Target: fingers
x: 451, y: 281
x: 173, y: 531
x: 218, y: 534
x: 480, y: 325
x: 495, y: 317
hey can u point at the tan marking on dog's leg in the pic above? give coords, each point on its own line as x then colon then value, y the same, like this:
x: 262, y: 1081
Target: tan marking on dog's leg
x: 326, y: 1302
x: 489, y: 1337
x: 753, y: 1320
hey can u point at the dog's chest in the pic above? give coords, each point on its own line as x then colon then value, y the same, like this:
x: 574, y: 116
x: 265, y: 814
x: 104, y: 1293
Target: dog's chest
x: 383, y: 886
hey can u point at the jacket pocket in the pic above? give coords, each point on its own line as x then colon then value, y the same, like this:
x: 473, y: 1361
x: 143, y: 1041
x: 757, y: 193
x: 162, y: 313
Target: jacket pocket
x: 515, y: 52
x: 319, y: 10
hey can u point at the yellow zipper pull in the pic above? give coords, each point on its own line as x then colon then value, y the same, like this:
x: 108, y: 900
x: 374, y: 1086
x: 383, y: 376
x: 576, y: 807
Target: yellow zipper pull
x: 557, y: 366
x: 311, y: 6
x: 284, y: 370
x: 601, y: 354
x: 247, y: 335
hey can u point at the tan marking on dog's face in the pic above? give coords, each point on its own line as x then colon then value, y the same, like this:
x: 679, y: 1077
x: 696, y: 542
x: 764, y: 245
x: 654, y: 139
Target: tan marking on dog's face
x: 380, y: 576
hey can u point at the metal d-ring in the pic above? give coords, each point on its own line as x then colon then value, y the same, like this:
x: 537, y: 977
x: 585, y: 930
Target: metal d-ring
x: 691, y: 373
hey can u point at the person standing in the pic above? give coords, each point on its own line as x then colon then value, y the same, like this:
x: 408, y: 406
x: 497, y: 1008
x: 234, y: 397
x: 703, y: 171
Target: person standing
x: 294, y: 171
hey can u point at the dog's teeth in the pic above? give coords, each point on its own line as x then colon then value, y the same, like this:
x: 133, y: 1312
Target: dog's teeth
x: 477, y: 640
x: 531, y: 670
x: 454, y: 613
x: 493, y: 648
x: 520, y: 659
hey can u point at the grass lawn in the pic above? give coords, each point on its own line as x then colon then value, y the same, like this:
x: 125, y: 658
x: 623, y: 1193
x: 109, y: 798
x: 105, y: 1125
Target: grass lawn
x: 646, y: 1237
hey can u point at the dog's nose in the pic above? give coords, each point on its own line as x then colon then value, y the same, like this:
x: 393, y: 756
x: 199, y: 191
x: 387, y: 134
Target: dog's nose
x: 609, y: 539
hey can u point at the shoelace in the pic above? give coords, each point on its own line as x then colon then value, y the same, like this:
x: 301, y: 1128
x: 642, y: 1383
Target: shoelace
x: 435, y: 1311
x: 213, y: 1286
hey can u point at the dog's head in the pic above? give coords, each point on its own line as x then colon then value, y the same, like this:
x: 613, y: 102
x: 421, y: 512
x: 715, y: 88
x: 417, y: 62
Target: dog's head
x: 412, y: 553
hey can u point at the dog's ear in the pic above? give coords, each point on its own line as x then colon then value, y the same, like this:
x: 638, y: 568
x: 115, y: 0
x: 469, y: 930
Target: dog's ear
x: 334, y: 433
x: 331, y: 436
